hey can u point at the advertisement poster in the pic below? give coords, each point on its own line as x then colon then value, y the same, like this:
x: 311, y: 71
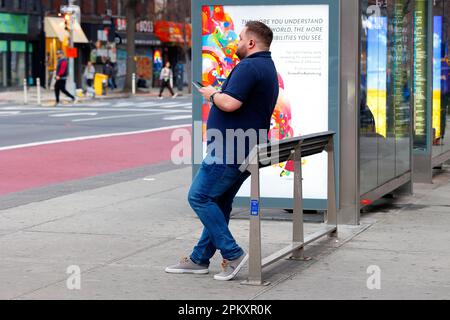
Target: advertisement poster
x: 420, y: 73
x: 377, y: 72
x: 437, y: 74
x: 300, y: 50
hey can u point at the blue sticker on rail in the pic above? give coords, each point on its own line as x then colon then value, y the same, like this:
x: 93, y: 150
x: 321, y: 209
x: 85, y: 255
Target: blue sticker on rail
x: 254, y: 211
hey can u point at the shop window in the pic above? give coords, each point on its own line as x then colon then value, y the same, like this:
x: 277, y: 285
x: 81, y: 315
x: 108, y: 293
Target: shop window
x: 3, y: 64
x: 18, y: 54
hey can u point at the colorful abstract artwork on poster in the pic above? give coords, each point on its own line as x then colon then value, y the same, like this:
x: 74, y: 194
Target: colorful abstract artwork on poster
x: 300, y: 50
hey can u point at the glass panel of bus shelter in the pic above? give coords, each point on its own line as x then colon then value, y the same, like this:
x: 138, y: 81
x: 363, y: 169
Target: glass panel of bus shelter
x: 400, y: 83
x: 446, y: 75
x: 385, y: 91
x: 373, y: 80
x: 441, y: 66
x: 420, y: 75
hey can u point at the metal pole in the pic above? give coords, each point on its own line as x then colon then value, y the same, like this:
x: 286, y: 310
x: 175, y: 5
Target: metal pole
x: 297, y: 218
x: 71, y: 85
x: 331, y: 212
x: 133, y: 84
x: 38, y: 88
x: 255, y: 255
x: 25, y: 91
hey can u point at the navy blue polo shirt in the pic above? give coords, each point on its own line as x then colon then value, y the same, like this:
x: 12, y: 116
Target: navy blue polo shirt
x: 254, y: 82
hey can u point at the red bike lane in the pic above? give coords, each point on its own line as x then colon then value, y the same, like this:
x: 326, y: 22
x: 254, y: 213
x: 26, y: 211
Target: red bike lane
x: 42, y: 165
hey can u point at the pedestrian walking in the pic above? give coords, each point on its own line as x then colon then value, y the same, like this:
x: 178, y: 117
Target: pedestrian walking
x: 62, y: 71
x: 109, y: 71
x: 245, y: 103
x: 115, y: 70
x: 166, y: 78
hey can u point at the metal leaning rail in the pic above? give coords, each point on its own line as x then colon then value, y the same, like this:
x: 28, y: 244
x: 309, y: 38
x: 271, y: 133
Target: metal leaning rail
x: 264, y: 155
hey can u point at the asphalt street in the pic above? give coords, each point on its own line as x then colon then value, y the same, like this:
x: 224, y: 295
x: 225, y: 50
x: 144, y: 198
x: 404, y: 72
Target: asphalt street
x: 33, y: 124
x: 47, y: 151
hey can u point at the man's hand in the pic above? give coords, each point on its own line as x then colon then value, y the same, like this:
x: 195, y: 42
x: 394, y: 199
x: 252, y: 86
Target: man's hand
x: 207, y: 92
x: 57, y: 77
x: 222, y: 101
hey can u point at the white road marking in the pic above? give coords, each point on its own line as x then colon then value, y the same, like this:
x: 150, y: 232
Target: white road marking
x: 146, y: 104
x: 149, y: 179
x: 93, y: 137
x: 73, y: 114
x: 176, y: 105
x: 97, y: 104
x: 9, y: 113
x: 177, y: 117
x: 122, y: 104
x: 130, y: 115
x: 86, y: 109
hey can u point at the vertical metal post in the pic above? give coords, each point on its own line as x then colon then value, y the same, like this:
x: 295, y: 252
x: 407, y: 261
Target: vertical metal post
x: 71, y: 84
x: 350, y: 74
x: 133, y: 84
x: 331, y: 211
x: 255, y: 257
x: 25, y: 91
x: 38, y: 88
x: 297, y: 218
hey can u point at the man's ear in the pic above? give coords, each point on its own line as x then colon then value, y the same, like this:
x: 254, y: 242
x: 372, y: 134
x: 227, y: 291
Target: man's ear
x: 251, y: 44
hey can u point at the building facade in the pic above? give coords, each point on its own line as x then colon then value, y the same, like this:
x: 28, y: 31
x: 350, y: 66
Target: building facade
x: 21, y: 44
x: 32, y: 31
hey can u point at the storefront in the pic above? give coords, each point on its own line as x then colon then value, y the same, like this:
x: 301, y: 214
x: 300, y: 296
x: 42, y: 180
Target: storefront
x: 19, y: 49
x: 102, y: 46
x: 58, y: 38
x: 147, y: 44
x: 173, y: 48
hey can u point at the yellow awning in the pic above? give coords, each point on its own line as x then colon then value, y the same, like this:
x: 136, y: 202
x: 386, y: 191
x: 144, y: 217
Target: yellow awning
x: 54, y: 28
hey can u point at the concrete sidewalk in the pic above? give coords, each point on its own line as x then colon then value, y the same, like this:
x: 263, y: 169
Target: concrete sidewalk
x: 123, y: 236
x: 48, y: 96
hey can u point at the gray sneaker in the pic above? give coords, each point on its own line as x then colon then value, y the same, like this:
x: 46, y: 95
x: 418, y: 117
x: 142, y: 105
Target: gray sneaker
x: 186, y: 265
x: 231, y: 268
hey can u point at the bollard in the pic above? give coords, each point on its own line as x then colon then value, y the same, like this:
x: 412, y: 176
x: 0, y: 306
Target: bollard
x: 133, y: 84
x: 25, y: 93
x: 38, y: 88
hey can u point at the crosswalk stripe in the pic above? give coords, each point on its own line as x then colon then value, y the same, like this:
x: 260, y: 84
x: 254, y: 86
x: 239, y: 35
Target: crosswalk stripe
x: 9, y: 113
x: 177, y: 117
x: 176, y: 105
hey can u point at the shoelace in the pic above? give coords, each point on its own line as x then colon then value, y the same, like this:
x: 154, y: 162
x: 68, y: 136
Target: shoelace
x: 184, y: 260
x: 224, y: 264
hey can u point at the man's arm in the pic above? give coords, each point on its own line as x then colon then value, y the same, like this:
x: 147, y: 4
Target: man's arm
x: 222, y: 101
x: 62, y: 69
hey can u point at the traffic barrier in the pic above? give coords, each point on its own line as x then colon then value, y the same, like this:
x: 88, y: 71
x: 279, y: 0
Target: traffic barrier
x: 38, y: 88
x: 25, y: 92
x: 265, y: 155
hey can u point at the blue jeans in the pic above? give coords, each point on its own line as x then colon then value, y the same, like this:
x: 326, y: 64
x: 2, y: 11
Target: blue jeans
x: 211, y: 196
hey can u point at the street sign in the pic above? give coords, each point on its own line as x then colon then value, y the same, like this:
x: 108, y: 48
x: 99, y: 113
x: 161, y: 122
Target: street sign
x: 117, y: 39
x: 72, y: 53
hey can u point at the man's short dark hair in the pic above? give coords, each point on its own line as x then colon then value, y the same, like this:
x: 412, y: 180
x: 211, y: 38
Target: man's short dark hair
x: 261, y: 30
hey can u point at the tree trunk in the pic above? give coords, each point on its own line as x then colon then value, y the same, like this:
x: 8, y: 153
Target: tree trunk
x: 186, y: 56
x: 131, y: 47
